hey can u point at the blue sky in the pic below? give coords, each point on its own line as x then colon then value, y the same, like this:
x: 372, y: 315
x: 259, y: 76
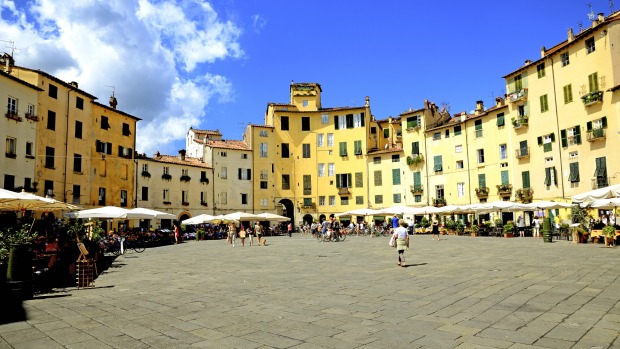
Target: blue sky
x: 216, y: 64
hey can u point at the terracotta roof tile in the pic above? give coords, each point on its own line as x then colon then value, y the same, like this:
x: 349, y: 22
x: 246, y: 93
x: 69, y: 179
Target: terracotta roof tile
x: 170, y: 159
x: 207, y: 132
x: 385, y: 151
x: 228, y: 144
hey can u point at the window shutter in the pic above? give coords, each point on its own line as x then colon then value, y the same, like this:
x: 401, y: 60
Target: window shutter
x: 563, y: 138
x: 337, y: 181
x: 249, y: 173
x: 500, y: 120
x: 417, y: 178
x: 552, y: 136
x: 349, y: 181
x: 378, y: 179
x: 574, y: 172
x: 396, y: 176
x: 555, y: 175
x: 415, y: 148
x: 504, y: 175
x: 336, y: 122
x: 547, y: 176
x: 109, y: 148
x: 359, y: 180
x: 540, y: 140
x: 343, y: 148
x: 120, y: 150
x: 525, y: 178
x: 239, y: 173
x: 604, y: 121
x: 482, y: 181
x: 362, y: 117
x: 437, y: 161
x: 577, y: 133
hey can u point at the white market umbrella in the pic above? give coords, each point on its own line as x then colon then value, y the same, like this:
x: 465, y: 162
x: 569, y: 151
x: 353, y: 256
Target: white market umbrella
x: 359, y: 212
x: 12, y: 201
x: 400, y: 210
x: 108, y: 212
x: 606, y: 203
x: 219, y: 219
x: 155, y: 214
x: 503, y: 206
x: 200, y: 219
x: 612, y: 191
x: 546, y: 205
x: 271, y: 217
x: 242, y: 216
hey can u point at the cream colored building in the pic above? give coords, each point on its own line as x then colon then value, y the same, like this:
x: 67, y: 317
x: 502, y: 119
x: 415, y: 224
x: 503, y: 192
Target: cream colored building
x: 179, y: 185
x: 195, y: 141
x: 18, y: 128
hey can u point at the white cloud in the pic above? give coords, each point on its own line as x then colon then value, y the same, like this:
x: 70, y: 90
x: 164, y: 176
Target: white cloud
x: 155, y: 54
x: 258, y: 23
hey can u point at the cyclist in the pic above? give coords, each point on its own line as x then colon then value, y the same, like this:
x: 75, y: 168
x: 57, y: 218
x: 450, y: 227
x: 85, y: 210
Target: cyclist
x: 325, y: 227
x: 334, y: 225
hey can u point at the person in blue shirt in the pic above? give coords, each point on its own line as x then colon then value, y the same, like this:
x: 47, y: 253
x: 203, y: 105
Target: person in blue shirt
x: 395, y: 222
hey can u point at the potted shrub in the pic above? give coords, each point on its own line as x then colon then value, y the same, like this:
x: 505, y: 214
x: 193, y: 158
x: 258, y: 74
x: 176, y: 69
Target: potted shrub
x: 424, y: 223
x: 19, y: 265
x: 509, y: 229
x: 450, y: 226
x: 460, y: 227
x: 474, y: 230
x: 610, y: 235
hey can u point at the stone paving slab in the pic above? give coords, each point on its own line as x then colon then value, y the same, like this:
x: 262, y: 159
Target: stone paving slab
x: 460, y: 292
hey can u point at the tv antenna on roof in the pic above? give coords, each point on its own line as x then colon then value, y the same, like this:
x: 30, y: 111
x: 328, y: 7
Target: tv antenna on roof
x: 591, y: 13
x: 12, y: 46
x: 113, y: 89
x: 611, y: 6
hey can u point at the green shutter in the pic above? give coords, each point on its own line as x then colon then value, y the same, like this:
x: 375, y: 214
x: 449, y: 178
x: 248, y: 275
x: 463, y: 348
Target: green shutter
x: 547, y: 147
x: 563, y: 139
x: 593, y: 82
x: 577, y: 134
x: 500, y: 119
x: 336, y: 122
x: 482, y: 181
x: 337, y: 181
x: 438, y: 165
x: 601, y: 167
x: 343, y: 148
x: 525, y: 178
x: 457, y: 130
x: 349, y: 180
x: 417, y: 178
x: 378, y: 179
x: 359, y: 180
x: 410, y: 122
x: 478, y: 125
x: 396, y: 176
x: 357, y: 146
x: 574, y: 172
x: 386, y: 133
x: 504, y: 175
x: 548, y: 176
x: 415, y: 148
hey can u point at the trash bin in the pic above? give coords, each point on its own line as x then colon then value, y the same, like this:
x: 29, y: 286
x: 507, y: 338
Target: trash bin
x: 547, y: 230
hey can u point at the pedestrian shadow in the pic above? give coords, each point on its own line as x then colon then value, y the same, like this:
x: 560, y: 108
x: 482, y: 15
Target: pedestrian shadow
x: 415, y: 265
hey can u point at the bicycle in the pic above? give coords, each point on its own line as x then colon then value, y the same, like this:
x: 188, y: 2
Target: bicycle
x: 135, y: 244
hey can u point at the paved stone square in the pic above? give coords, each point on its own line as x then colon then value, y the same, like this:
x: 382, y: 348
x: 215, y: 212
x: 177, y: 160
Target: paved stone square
x: 460, y: 292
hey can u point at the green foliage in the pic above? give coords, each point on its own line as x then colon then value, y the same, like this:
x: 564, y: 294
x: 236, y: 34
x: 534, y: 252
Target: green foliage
x: 200, y: 233
x: 509, y: 227
x: 450, y: 225
x: 20, y: 235
x: 424, y: 223
x: 609, y: 231
x: 460, y: 227
x: 579, y: 215
x: 498, y: 223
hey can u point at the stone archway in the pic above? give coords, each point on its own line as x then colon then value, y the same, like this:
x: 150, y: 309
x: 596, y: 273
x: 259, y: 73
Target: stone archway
x: 289, y: 210
x: 184, y: 216
x: 322, y: 217
x: 308, y: 219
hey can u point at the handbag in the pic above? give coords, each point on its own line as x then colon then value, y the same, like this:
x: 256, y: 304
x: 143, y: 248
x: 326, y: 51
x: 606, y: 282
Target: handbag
x: 242, y: 234
x: 392, y: 241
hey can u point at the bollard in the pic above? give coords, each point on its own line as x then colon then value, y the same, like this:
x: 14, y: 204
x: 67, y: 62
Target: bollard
x: 546, y: 230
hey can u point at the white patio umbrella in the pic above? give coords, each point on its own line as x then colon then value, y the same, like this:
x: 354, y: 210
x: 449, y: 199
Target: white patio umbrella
x: 399, y: 210
x: 606, y: 203
x: 155, y: 214
x: 546, y: 205
x: 12, y: 201
x: 359, y: 212
x: 219, y: 219
x: 108, y: 212
x: 242, y: 216
x: 612, y: 191
x: 502, y: 206
x: 271, y: 217
x: 200, y: 219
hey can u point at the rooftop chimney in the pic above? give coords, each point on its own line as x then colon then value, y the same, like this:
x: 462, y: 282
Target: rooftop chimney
x: 113, y: 101
x: 543, y: 50
x: 8, y: 62
x: 571, y: 35
x: 499, y: 101
x: 479, y: 107
x: 527, y: 61
x: 74, y: 84
x: 182, y: 154
x: 463, y: 116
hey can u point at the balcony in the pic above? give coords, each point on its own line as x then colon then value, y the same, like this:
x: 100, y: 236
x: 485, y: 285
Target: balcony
x: 522, y: 153
x: 596, y: 134
x: 482, y: 192
x: 415, y: 159
x: 204, y: 180
x: 185, y: 178
x: 344, y: 191
x: 308, y: 205
x: 600, y: 182
x: 440, y: 202
x: 525, y: 195
x: 31, y: 117
x: 504, y: 189
x: 416, y: 189
x: 13, y: 116
x: 521, y: 121
x: 592, y: 98
x: 517, y: 96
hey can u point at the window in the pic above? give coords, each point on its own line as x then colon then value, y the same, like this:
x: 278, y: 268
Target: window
x: 343, y: 148
x: 263, y: 150
x: 78, y: 129
x: 358, y: 120
x: 51, y: 120
x: 102, y: 196
x: 541, y: 70
x: 376, y: 160
x: 343, y: 180
x: 145, y: 193
x: 76, y: 193
x: 28, y: 149
x: 525, y: 179
x: 436, y: 136
x: 244, y: 174
x: 321, y: 170
x: 264, y: 203
x: 482, y: 180
x: 203, y: 197
x: 396, y: 198
x: 480, y: 153
x: 447, y: 133
x: 359, y: 180
x: 548, y: 159
x: 104, y: 123
x: 262, y: 133
x: 593, y: 82
x: 321, y: 200
x: 79, y: 103
x: 320, y: 139
x: 568, y: 93
x: 307, y: 182
x: 330, y: 139
x: 30, y: 110
x: 224, y: 173
x: 395, y: 158
x: 503, y: 152
x: 378, y: 180
x: 9, y: 182
x: 395, y: 176
x: 264, y: 185
x: 414, y: 122
x: 601, y: 172
x: 359, y: 200
x: 126, y: 130
x: 340, y: 122
x: 378, y: 199
x: 458, y: 149
x: 48, y: 188
x: 565, y: 59
x: 550, y: 176
x: 570, y: 136
x: 460, y: 189
x: 417, y: 198
x: 544, y: 104
x: 308, y: 202
x: 332, y: 200
x: 305, y: 150
x: 286, y: 182
x: 325, y: 118
x: 49, y: 157
x: 224, y: 198
x: 11, y: 146
x: 12, y: 106
x: 457, y: 130
x: 500, y: 119
x: 223, y: 154
x: 305, y: 123
x: 304, y: 103
x: 504, y: 177
x: 244, y: 199
x: 437, y: 163
x: 386, y: 133
x: 284, y: 123
x: 77, y: 163
x: 331, y: 170
x: 573, y: 177
x: 357, y: 147
x: 573, y: 155
x: 166, y: 195
x: 145, y: 167
x: 478, y: 128
x: 285, y: 151
x: 459, y: 164
x: 123, y: 198
x: 53, y: 91
x: 518, y: 83
x: 439, y: 191
x: 590, y: 45
x: 415, y: 148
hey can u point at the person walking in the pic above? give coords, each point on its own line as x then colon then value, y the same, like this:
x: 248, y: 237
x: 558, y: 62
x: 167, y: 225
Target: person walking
x: 402, y: 242
x: 176, y: 234
x: 289, y: 228
x: 258, y: 229
x: 324, y: 227
x: 242, y: 235
x: 395, y: 221
x: 232, y: 233
x: 521, y: 225
x: 536, y: 232
x: 435, y: 229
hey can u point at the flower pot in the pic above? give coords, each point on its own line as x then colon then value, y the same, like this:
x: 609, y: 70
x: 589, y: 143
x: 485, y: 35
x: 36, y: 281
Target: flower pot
x: 609, y: 242
x: 509, y: 235
x: 473, y: 235
x: 19, y: 271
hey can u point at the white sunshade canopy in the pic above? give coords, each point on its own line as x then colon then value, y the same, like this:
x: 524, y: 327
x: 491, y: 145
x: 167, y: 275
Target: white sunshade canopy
x: 359, y: 212
x: 546, y: 205
x: 109, y: 212
x: 200, y: 219
x: 12, y: 201
x: 272, y: 217
x: 242, y: 216
x: 606, y: 203
x: 612, y: 191
x: 399, y: 210
x: 504, y: 206
x: 155, y: 214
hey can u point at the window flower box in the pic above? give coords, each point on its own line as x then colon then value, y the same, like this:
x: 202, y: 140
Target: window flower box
x: 204, y: 180
x: 525, y: 195
x: 31, y: 117
x: 482, y: 192
x: 146, y: 174
x: 185, y: 178
x: 13, y: 117
x: 202, y: 203
x: 592, y: 98
x: 504, y: 189
x: 166, y: 176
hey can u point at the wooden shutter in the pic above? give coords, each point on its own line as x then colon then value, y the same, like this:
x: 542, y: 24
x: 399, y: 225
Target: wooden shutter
x: 504, y: 176
x: 540, y: 140
x: 417, y: 178
x: 563, y: 138
x: 359, y: 180
x: 362, y: 117
x: 336, y: 122
x: 482, y: 181
x: 577, y: 134
x: 415, y: 148
x: 604, y: 122
x: 589, y: 126
x: 349, y: 181
x: 548, y: 176
x: 378, y: 179
x: 396, y: 176
x: 337, y: 181
x: 525, y: 178
x: 574, y: 172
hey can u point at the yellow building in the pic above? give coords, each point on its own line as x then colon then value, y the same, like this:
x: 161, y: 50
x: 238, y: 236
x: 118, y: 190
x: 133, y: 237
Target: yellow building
x: 319, y: 162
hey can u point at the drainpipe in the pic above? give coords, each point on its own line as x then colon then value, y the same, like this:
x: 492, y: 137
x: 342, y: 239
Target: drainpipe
x: 64, y: 181
x: 557, y: 124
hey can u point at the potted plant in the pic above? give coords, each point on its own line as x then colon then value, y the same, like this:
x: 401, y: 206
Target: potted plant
x: 450, y: 226
x: 474, y: 230
x: 424, y: 223
x: 509, y: 229
x: 610, y: 235
x: 19, y: 265
x: 460, y: 227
